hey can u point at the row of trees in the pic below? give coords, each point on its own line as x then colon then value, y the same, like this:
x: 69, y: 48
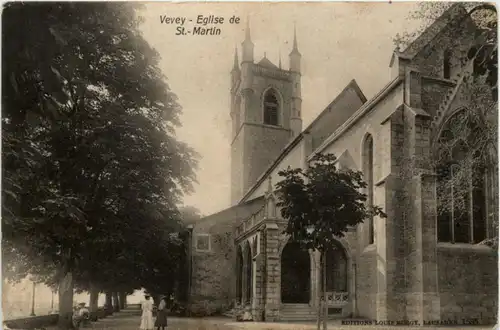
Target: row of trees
x: 92, y: 171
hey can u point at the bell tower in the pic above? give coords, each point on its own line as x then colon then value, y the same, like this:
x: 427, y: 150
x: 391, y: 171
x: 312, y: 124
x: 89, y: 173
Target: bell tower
x: 265, y: 113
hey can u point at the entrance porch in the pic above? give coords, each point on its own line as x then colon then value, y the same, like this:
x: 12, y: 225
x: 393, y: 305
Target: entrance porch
x: 280, y: 281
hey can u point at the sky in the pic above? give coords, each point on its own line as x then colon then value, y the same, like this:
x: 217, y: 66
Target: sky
x: 338, y: 41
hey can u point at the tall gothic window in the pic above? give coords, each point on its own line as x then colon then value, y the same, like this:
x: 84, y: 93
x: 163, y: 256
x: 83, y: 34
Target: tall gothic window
x: 461, y: 177
x: 271, y: 108
x: 447, y: 64
x: 336, y: 269
x: 368, y: 178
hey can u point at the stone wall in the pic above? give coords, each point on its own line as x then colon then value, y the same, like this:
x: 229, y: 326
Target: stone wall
x: 214, y: 271
x: 366, y: 282
x: 468, y: 282
x: 213, y: 275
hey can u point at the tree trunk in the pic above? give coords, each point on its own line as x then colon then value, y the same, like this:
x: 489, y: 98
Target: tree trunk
x: 116, y: 302
x: 108, y: 305
x: 123, y: 300
x: 93, y: 303
x: 319, y: 291
x: 325, y: 301
x: 66, y: 301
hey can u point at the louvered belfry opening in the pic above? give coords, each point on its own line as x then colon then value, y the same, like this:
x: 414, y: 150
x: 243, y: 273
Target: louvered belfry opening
x: 271, y: 108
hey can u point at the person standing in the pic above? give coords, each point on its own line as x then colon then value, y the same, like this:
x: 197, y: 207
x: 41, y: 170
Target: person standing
x: 147, y: 314
x: 161, y: 318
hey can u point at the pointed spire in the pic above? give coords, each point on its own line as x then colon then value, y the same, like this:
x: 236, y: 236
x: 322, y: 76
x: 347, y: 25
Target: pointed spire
x: 265, y: 55
x: 295, y: 49
x: 236, y: 62
x: 295, y: 37
x: 247, y: 31
x: 247, y: 50
x: 279, y: 52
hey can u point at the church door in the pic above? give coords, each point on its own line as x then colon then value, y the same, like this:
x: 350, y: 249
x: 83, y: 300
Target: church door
x: 295, y: 274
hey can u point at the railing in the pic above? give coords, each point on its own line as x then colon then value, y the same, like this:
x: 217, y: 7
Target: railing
x: 337, y: 298
x: 250, y: 222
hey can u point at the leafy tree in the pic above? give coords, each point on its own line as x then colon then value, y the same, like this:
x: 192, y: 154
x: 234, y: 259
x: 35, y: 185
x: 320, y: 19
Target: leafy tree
x: 94, y: 170
x: 190, y: 214
x: 321, y: 203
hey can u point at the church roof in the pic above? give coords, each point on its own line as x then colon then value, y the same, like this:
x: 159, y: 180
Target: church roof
x: 238, y: 212
x: 457, y: 10
x: 266, y: 63
x: 351, y: 85
x: 346, y: 92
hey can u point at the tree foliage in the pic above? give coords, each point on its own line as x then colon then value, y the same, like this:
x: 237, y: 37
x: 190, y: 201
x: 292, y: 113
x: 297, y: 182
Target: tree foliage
x: 190, y: 214
x: 92, y: 170
x: 322, y: 202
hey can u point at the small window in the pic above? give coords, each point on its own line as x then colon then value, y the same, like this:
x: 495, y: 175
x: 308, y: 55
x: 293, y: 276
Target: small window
x: 202, y: 242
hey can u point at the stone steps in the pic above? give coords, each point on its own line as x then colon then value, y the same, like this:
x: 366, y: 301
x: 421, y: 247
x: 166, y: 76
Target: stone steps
x: 301, y: 312
x: 297, y: 312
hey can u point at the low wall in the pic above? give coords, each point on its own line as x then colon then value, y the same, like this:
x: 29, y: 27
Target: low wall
x: 34, y: 322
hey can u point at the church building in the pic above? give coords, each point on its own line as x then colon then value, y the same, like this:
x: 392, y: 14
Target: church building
x: 417, y: 264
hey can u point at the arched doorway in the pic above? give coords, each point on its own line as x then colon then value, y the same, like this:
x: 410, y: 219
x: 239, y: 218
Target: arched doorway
x: 249, y: 286
x: 239, y: 275
x: 295, y: 274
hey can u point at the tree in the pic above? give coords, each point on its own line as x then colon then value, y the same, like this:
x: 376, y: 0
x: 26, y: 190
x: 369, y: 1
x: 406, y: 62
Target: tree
x: 321, y: 203
x: 190, y: 214
x: 474, y: 130
x: 89, y: 149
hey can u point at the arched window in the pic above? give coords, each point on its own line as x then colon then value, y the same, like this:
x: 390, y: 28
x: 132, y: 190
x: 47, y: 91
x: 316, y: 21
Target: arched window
x: 447, y: 64
x: 336, y: 269
x: 271, y: 108
x: 461, y: 177
x: 368, y: 178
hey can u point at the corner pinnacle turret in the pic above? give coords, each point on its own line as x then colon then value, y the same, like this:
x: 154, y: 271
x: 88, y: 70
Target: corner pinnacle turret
x: 247, y: 45
x: 295, y: 49
x: 236, y: 64
x: 295, y: 54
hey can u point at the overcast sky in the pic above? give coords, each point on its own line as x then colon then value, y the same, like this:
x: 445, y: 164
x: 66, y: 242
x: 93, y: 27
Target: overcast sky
x: 338, y: 42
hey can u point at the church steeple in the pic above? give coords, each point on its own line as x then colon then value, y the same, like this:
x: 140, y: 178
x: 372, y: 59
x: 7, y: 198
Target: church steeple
x: 247, y: 45
x: 236, y: 64
x: 295, y: 54
x: 265, y: 106
x: 235, y: 72
x: 296, y: 116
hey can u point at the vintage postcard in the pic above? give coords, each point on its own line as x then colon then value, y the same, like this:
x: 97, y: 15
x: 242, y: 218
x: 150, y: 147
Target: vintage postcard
x: 249, y: 165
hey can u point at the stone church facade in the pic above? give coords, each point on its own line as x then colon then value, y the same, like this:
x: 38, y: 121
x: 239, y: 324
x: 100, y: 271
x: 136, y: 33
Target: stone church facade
x: 415, y: 264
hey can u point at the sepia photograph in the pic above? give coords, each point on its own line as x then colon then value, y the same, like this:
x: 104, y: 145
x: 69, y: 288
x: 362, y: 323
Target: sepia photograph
x: 249, y: 165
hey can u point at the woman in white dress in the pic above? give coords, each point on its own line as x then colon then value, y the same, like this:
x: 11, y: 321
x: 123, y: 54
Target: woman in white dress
x: 147, y: 322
